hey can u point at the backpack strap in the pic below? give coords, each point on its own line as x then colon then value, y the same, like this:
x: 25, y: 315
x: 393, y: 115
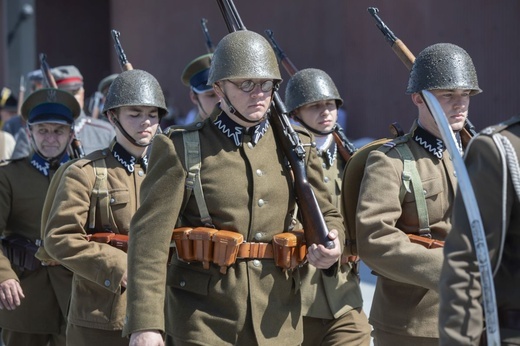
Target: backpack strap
x: 193, y: 184
x: 100, y: 197
x: 411, y: 176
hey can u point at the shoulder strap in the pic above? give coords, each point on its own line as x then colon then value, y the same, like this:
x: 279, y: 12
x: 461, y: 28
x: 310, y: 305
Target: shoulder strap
x: 193, y: 183
x: 100, y: 196
x: 411, y: 175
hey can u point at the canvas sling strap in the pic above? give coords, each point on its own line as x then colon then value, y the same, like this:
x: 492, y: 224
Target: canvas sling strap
x: 193, y: 184
x: 100, y: 197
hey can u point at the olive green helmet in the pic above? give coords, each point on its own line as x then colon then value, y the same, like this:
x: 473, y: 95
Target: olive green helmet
x: 243, y: 55
x: 308, y: 86
x: 135, y: 88
x: 443, y: 66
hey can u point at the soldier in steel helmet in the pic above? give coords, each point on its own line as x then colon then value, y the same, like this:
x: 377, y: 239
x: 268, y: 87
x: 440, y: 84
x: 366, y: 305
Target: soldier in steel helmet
x: 202, y: 95
x: 332, y: 305
x: 242, y: 191
x: 408, y: 189
x: 98, y: 195
x: 34, y: 298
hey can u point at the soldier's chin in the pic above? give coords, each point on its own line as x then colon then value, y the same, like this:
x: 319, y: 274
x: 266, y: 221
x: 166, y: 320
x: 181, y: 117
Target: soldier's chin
x: 143, y: 141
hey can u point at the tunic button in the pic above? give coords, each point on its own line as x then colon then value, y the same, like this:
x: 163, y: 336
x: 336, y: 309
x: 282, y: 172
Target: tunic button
x: 258, y: 236
x: 259, y: 172
x: 141, y: 173
x: 424, y: 192
x: 107, y: 283
x: 250, y: 145
x: 324, y: 165
x: 326, y: 179
x: 261, y: 202
x: 112, y: 200
x: 455, y: 174
x: 182, y: 283
x: 256, y: 263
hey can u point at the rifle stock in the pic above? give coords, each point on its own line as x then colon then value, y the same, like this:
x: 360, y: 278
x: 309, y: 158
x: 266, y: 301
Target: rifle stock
x: 123, y: 61
x: 316, y: 231
x: 407, y: 58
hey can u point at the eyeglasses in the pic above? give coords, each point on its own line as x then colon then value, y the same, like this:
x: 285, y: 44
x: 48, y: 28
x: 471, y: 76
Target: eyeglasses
x: 248, y: 85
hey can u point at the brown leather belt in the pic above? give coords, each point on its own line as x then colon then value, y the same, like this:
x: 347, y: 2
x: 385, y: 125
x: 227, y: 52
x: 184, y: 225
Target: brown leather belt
x: 509, y: 319
x: 255, y: 250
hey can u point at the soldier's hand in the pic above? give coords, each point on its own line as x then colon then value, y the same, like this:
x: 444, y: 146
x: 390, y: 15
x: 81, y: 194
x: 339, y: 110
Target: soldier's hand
x: 323, y: 258
x: 146, y: 338
x: 11, y: 294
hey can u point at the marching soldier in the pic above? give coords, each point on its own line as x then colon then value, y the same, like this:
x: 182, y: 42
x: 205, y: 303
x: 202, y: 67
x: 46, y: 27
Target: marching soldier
x: 34, y: 298
x: 332, y: 305
x: 408, y: 189
x: 492, y: 162
x: 239, y: 296
x: 95, y: 200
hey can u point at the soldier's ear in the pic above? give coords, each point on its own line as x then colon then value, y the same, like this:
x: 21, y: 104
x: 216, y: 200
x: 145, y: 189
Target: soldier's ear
x: 417, y: 99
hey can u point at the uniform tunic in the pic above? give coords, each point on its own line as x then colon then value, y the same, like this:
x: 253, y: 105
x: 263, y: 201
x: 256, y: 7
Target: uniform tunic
x: 406, y: 295
x: 323, y: 296
x: 47, y: 289
x: 461, y: 314
x: 247, y: 190
x: 97, y: 299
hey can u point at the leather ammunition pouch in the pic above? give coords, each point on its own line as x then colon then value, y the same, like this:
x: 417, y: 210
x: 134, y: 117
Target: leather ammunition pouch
x: 20, y: 251
x: 206, y: 245
x: 289, y: 249
x: 116, y: 240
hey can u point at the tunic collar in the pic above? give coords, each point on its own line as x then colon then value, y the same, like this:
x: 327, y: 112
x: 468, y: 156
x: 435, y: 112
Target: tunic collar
x: 127, y: 160
x: 44, y: 166
x: 432, y: 144
x: 236, y: 132
x: 327, y: 149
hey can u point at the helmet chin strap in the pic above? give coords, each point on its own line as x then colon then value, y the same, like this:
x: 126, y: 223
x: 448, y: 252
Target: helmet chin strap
x: 130, y: 138
x: 235, y: 112
x: 316, y: 132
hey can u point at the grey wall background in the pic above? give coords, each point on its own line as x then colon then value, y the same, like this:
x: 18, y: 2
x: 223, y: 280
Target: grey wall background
x: 338, y: 36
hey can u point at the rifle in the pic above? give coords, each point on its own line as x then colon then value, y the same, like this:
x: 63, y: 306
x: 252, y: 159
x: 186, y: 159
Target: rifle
x: 21, y: 95
x: 312, y: 219
x: 48, y: 78
x: 345, y: 147
x: 50, y: 82
x: 209, y: 44
x: 123, y: 61
x: 407, y: 58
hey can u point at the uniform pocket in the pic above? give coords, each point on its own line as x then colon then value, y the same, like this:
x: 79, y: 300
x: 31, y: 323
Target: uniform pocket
x: 186, y: 279
x: 121, y: 210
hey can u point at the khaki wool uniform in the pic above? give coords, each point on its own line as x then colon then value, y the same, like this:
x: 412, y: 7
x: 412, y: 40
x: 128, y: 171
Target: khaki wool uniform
x: 406, y: 300
x: 47, y: 289
x: 97, y: 301
x: 247, y: 189
x: 330, y: 297
x: 461, y: 315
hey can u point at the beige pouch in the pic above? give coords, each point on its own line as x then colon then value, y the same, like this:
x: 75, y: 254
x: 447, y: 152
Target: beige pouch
x: 227, y: 244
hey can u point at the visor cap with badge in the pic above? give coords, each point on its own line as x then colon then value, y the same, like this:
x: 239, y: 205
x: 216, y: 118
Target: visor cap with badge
x: 196, y: 73
x: 50, y: 106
